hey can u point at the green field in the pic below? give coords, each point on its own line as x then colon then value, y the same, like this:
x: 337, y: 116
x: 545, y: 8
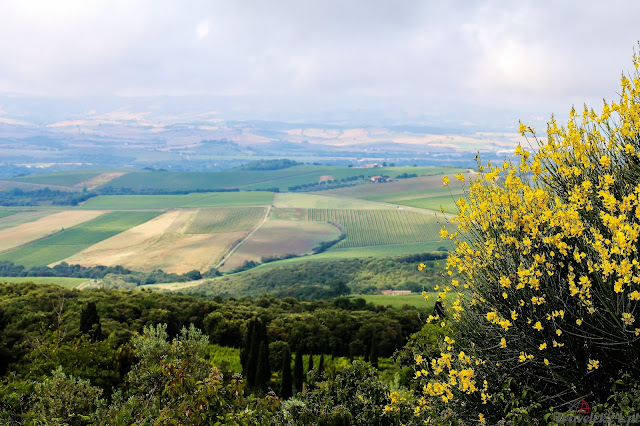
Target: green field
x: 398, y: 301
x: 221, y: 356
x: 204, y: 199
x: 191, y: 181
x: 446, y: 202
x: 228, y: 219
x: 68, y: 179
x: 384, y: 251
x: 315, y: 201
x: 71, y: 241
x: 423, y: 192
x: 61, y: 281
x: 379, y: 227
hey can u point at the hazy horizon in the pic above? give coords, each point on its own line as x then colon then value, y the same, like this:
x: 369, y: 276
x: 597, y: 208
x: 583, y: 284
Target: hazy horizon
x: 478, y: 65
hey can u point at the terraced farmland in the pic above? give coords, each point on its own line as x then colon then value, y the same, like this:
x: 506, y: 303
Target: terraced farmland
x: 379, y: 227
x: 70, y: 241
x: 211, y: 221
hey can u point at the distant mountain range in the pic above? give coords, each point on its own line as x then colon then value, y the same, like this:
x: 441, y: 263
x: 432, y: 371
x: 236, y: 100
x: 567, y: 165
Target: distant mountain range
x: 130, y: 141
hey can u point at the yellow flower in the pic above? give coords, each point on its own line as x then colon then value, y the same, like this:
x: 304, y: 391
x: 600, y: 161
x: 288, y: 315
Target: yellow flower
x: 503, y: 343
x: 505, y: 282
x: 579, y: 321
x: 593, y: 364
x: 538, y: 326
x: 460, y: 177
x: 481, y: 418
x: 546, y: 361
x: 543, y: 346
x: 419, y: 359
x: 445, y: 181
x: 628, y: 318
x: 558, y: 332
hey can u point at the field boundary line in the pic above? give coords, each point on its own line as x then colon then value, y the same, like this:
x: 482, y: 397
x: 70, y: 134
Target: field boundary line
x: 242, y: 240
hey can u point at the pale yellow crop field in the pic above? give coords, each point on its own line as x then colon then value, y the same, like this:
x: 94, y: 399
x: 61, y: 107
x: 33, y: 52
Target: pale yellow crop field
x: 40, y: 228
x: 160, y: 243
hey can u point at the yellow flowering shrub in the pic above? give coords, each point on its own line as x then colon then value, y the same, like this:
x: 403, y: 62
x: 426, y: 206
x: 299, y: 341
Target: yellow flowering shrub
x: 547, y: 265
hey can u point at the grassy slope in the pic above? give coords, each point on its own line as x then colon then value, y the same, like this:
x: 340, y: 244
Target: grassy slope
x: 446, y: 202
x: 67, y: 179
x: 61, y: 281
x: 399, y: 301
x: 68, y: 242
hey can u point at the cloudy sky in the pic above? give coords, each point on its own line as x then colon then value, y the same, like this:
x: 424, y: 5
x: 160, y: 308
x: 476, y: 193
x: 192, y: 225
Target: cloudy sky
x: 488, y: 63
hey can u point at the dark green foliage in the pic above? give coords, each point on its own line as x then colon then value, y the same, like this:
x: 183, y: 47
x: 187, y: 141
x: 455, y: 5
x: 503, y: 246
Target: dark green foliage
x: 321, y: 364
x: 310, y: 367
x: 270, y: 164
x: 194, y: 275
x: 354, y: 396
x: 406, y: 175
x: 64, y: 400
x: 298, y: 371
x: 9, y: 269
x: 252, y: 353
x: 40, y: 329
x: 287, y: 383
x: 90, y: 321
x: 263, y: 370
x: 43, y: 197
x: 373, y: 354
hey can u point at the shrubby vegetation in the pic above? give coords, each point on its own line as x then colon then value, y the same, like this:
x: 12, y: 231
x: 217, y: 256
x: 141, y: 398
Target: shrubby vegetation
x: 43, y: 197
x: 120, y: 357
x: 318, y: 280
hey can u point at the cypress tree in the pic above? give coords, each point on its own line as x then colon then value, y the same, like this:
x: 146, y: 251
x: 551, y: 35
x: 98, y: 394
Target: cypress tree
x: 90, y: 321
x: 373, y: 356
x: 246, y: 347
x: 263, y: 370
x: 254, y: 352
x: 310, y: 363
x: 286, y: 386
x: 298, y: 372
x: 321, y: 365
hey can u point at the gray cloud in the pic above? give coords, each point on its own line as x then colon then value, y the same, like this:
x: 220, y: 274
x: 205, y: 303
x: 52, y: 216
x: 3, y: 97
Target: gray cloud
x: 401, y: 58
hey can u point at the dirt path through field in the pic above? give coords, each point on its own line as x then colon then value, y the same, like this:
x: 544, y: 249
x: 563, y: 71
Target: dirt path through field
x: 239, y: 243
